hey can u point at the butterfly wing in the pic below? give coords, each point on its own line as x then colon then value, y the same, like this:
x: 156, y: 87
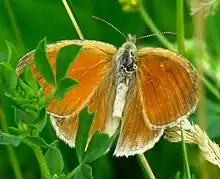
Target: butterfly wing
x: 136, y: 136
x: 93, y: 69
x: 168, y: 86
x: 100, y: 102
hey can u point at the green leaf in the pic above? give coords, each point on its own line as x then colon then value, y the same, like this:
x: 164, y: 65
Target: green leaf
x: 64, y: 86
x: 65, y: 57
x: 84, y: 172
x: 29, y: 78
x: 6, y: 139
x: 177, y: 175
x: 26, y: 88
x: 85, y: 122
x: 54, y: 161
x: 98, y: 146
x: 8, y: 76
x: 62, y: 176
x: 42, y: 62
x: 21, y: 115
x: 38, y: 141
x: 41, y: 120
x: 21, y: 133
x: 13, y: 57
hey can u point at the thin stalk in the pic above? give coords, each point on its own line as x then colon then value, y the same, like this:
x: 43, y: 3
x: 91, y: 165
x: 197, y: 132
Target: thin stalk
x: 10, y: 149
x: 181, y: 47
x: 70, y: 13
x: 210, y: 87
x: 40, y: 158
x: 180, y: 26
x: 71, y: 174
x: 154, y: 29
x: 186, y: 162
x: 14, y: 24
x: 145, y: 166
x: 198, y: 22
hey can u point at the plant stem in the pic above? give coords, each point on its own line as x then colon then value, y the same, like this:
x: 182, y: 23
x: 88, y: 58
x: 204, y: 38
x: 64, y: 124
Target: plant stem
x: 188, y: 175
x: 199, y: 28
x: 180, y: 41
x: 14, y: 24
x: 71, y: 174
x: 154, y: 29
x: 40, y: 158
x: 180, y: 26
x: 210, y: 87
x: 145, y: 166
x: 70, y: 13
x: 10, y: 149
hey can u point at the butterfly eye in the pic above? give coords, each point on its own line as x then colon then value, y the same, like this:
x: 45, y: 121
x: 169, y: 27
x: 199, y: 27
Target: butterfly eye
x: 132, y: 54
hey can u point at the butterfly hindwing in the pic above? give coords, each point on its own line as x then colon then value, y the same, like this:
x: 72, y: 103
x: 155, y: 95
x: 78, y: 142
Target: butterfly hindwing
x: 136, y: 134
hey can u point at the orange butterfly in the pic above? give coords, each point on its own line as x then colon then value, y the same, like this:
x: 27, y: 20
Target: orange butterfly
x: 141, y: 91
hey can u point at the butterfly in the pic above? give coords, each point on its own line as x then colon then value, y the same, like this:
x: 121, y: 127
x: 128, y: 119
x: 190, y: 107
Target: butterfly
x: 138, y: 91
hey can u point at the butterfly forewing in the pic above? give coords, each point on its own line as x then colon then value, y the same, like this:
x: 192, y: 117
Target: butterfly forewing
x: 93, y: 69
x: 168, y: 85
x: 89, y: 69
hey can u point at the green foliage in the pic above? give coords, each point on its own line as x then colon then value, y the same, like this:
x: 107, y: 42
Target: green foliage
x: 41, y: 61
x: 6, y: 139
x: 84, y: 172
x: 29, y: 78
x: 85, y: 123
x: 8, y: 76
x: 65, y: 58
x: 13, y: 57
x: 54, y: 160
x: 65, y: 84
x: 98, y: 146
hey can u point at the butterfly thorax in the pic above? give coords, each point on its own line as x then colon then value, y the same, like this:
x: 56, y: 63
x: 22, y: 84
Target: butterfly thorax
x: 126, y: 66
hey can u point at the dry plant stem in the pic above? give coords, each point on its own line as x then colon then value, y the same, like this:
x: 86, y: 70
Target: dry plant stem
x: 195, y: 135
x: 10, y: 149
x: 14, y: 24
x: 70, y: 13
x: 146, y: 166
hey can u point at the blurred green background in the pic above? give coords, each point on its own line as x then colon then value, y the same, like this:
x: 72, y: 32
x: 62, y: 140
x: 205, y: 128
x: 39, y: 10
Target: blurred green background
x: 25, y: 22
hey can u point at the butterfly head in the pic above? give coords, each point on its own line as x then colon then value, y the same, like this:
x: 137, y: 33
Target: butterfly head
x: 131, y: 38
x: 126, y: 57
x: 129, y: 45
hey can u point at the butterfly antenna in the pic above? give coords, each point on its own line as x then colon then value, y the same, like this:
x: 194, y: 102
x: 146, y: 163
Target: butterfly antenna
x: 159, y: 33
x: 109, y: 24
